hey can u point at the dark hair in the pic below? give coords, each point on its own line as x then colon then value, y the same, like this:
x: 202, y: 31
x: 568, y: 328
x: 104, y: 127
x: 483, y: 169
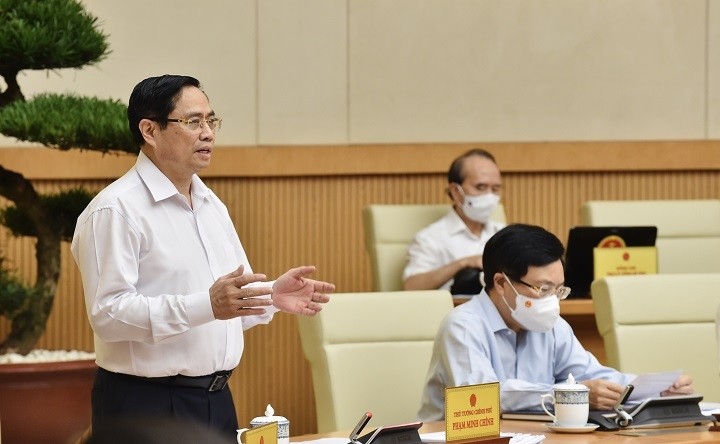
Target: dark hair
x: 155, y: 98
x: 517, y: 247
x: 455, y: 173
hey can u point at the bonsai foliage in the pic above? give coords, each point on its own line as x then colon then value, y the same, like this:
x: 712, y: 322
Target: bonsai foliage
x: 45, y: 34
x: 88, y: 122
x: 48, y: 35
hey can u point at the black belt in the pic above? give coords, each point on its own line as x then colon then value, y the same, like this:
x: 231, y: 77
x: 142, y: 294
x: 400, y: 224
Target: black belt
x: 212, y: 383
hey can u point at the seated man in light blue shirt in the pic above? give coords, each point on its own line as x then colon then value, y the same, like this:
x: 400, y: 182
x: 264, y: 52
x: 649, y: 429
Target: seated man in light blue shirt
x: 512, y: 333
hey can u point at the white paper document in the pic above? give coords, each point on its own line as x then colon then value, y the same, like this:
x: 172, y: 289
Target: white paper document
x: 439, y: 437
x: 650, y: 385
x: 515, y: 438
x: 710, y: 408
x: 327, y: 441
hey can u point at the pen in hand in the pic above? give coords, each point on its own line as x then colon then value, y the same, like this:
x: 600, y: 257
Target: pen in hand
x: 364, y: 419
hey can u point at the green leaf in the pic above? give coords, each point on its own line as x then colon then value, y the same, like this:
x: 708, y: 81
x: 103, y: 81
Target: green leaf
x: 69, y: 121
x: 49, y: 34
x: 14, y: 295
x: 64, y: 206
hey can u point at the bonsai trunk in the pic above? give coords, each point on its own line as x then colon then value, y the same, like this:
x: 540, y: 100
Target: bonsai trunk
x: 12, y: 92
x: 28, y: 324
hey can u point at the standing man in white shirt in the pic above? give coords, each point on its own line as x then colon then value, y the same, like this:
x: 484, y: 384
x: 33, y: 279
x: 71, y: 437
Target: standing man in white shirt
x: 455, y: 243
x: 168, y: 286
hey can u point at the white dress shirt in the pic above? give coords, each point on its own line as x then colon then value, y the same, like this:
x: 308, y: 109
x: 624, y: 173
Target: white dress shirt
x: 444, y: 241
x: 147, y: 261
x: 474, y: 346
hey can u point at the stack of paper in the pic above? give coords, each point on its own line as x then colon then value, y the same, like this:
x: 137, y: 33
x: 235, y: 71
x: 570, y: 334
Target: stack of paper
x: 515, y: 438
x: 650, y: 385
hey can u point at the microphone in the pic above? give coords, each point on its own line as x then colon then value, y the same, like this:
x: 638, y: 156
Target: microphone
x: 623, y: 419
x: 364, y: 419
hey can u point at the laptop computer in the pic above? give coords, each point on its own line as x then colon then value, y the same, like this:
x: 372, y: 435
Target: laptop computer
x: 579, y: 251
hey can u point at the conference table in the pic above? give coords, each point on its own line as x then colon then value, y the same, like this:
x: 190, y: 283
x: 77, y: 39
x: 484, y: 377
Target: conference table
x: 699, y: 434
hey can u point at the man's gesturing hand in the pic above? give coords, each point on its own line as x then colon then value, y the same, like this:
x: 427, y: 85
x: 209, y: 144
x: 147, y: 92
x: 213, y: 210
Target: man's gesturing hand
x: 229, y: 300
x: 294, y: 293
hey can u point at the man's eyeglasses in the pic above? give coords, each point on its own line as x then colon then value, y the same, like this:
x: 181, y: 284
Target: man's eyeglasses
x: 546, y: 290
x: 195, y: 123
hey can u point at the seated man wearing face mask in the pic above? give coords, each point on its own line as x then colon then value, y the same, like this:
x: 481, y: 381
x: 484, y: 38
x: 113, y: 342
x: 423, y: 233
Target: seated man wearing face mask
x: 512, y: 332
x: 449, y: 251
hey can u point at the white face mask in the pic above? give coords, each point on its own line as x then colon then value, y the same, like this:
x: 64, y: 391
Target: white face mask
x: 534, y: 314
x: 479, y: 208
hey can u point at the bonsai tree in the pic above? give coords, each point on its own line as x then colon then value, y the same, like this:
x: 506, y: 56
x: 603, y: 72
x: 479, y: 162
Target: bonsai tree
x: 47, y: 35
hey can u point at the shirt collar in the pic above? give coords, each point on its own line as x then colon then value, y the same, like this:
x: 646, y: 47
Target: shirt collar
x: 159, y: 185
x: 492, y: 315
x: 455, y: 224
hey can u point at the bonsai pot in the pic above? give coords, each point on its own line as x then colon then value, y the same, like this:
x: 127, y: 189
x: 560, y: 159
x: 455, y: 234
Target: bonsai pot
x: 45, y: 402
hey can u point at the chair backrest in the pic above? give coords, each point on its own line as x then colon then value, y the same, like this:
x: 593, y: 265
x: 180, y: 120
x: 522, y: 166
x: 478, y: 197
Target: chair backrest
x: 661, y: 322
x: 717, y: 330
x: 370, y: 352
x: 688, y: 230
x: 389, y: 229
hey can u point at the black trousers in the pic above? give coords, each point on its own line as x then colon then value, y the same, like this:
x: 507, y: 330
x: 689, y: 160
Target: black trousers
x: 119, y: 397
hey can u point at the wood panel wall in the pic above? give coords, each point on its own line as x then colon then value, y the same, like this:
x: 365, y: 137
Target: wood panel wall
x: 303, y: 205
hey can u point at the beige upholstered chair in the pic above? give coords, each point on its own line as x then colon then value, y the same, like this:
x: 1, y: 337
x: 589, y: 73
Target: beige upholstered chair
x: 688, y: 230
x: 389, y: 229
x: 717, y: 330
x: 370, y: 352
x: 661, y: 322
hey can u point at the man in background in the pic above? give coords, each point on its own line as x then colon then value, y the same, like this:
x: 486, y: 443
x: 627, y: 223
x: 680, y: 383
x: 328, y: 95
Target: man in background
x: 168, y: 287
x: 449, y: 251
x: 512, y: 332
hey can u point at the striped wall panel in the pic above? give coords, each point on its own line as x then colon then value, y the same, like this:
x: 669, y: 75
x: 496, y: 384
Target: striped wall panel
x: 292, y: 220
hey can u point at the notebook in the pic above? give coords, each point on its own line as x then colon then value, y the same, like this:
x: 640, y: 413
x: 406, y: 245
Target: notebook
x: 579, y: 251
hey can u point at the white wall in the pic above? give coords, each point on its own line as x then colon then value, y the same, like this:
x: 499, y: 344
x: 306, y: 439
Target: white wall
x: 366, y: 71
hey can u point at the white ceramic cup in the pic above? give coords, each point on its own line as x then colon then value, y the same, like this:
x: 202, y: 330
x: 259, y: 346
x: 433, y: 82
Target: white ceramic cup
x: 572, y: 406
